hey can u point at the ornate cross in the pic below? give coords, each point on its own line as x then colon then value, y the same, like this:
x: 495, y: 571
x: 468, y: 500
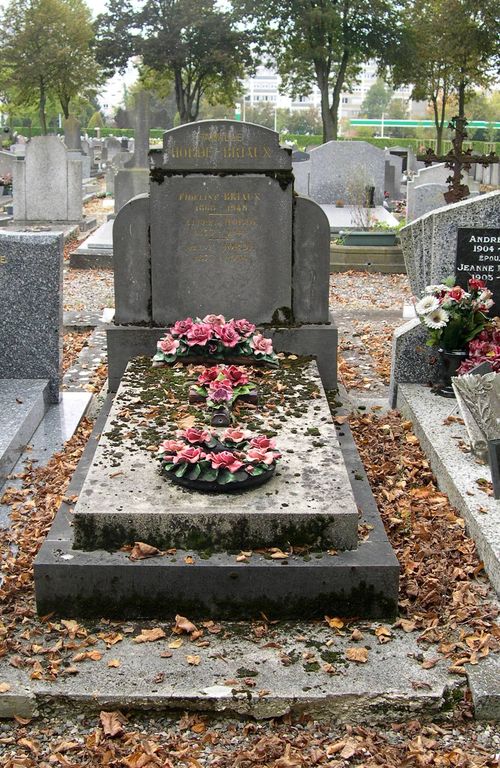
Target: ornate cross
x: 458, y: 160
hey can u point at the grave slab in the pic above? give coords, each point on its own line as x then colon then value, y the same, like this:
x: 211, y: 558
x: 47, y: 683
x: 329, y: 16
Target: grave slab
x: 22, y: 405
x: 96, y: 251
x: 308, y: 501
x: 361, y: 582
x: 458, y: 474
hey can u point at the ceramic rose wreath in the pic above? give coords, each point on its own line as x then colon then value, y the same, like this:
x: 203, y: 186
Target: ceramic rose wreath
x: 203, y: 460
x: 214, y: 337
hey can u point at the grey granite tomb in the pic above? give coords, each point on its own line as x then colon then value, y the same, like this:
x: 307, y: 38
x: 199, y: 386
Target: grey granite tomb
x: 339, y: 170
x: 31, y: 301
x: 222, y: 232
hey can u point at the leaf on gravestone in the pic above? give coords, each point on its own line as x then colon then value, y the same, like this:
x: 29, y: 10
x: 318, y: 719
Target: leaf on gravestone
x: 141, y: 551
x: 279, y: 555
x: 384, y: 634
x: 359, y: 655
x: 187, y: 421
x: 189, y: 560
x: 193, y: 660
x: 149, y: 635
x: 71, y: 626
x: 112, y: 663
x: 184, y: 625
x: 357, y: 635
x: 112, y: 723
x: 406, y: 625
x: 4, y: 687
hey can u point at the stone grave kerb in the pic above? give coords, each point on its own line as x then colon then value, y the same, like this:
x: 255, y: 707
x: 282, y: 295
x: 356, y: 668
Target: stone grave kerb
x: 222, y: 231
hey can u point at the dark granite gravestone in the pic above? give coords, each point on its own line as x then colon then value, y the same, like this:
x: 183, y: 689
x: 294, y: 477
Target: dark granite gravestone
x: 31, y: 301
x: 478, y: 256
x: 222, y: 231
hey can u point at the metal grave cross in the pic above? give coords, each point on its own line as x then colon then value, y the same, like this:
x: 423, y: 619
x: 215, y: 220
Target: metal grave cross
x: 458, y: 160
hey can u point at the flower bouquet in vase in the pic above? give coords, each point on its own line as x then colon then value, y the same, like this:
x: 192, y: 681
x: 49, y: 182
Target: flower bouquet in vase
x: 452, y: 318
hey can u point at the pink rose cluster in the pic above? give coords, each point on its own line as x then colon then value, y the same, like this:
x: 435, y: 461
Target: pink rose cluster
x: 485, y: 348
x: 213, y: 335
x: 223, y: 383
x: 237, y: 449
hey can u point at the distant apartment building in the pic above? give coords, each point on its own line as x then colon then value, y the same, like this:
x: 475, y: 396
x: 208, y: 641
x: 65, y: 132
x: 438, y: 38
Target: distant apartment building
x: 264, y: 87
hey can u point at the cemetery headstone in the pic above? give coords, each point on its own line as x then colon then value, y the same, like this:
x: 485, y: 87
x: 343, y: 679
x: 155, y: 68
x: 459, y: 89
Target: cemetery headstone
x: 341, y: 170
x: 47, y: 164
x: 72, y: 133
x: 424, y: 198
x: 429, y: 243
x: 31, y: 268
x: 220, y: 193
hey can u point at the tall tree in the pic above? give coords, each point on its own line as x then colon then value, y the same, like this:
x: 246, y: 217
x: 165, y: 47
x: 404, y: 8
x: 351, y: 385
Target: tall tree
x: 321, y: 42
x: 449, y: 46
x: 193, y: 41
x: 377, y: 99
x: 45, y: 51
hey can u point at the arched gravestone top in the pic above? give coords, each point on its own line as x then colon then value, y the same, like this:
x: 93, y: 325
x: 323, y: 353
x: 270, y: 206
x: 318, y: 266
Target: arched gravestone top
x: 222, y: 145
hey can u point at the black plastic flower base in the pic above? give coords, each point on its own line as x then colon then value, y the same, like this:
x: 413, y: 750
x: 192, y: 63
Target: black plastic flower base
x: 241, y: 481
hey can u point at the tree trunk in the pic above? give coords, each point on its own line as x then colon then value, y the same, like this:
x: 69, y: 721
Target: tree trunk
x: 41, y: 108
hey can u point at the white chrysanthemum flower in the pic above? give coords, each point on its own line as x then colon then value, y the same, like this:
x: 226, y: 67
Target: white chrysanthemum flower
x: 437, y: 288
x: 436, y: 319
x: 426, y: 305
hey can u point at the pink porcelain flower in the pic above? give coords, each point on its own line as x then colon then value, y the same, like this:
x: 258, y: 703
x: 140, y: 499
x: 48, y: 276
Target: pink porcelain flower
x: 189, y: 455
x: 199, y: 334
x: 196, y: 435
x: 260, y: 455
x: 214, y: 320
x: 244, y: 327
x: 237, y: 375
x: 263, y: 442
x: 168, y: 344
x: 208, y: 375
x: 220, y: 391
x: 171, y: 446
x: 225, y: 460
x: 237, y: 435
x: 181, y: 327
x: 261, y: 345
x: 227, y: 335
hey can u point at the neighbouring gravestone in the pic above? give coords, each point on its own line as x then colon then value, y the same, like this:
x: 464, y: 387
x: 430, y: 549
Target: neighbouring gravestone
x: 7, y: 160
x: 133, y: 179
x: 342, y: 170
x: 47, y: 183
x: 72, y: 133
x: 31, y: 299
x: 429, y: 243
x: 432, y: 248
x: 423, y: 199
x: 224, y: 230
x: 112, y: 146
x: 478, y: 256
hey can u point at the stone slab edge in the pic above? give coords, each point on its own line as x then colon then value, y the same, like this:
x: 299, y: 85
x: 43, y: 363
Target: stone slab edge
x: 448, y: 463
x: 26, y: 428
x: 484, y: 683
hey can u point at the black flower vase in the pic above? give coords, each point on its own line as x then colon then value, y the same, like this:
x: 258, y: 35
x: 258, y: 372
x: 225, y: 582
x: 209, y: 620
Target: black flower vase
x: 451, y: 360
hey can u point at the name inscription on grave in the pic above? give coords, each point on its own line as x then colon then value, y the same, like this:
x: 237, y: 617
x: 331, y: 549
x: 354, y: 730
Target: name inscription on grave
x: 219, y: 223
x: 478, y: 256
x: 220, y: 145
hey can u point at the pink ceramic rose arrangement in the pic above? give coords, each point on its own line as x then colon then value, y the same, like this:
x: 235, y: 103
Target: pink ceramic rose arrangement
x: 221, y: 385
x: 214, y: 337
x: 199, y: 457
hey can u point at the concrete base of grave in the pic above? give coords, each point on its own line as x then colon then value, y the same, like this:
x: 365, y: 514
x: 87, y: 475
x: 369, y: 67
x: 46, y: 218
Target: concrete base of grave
x: 97, y: 251
x: 458, y: 474
x: 68, y: 228
x: 319, y: 341
x: 361, y: 582
x: 387, y: 260
x: 23, y: 403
